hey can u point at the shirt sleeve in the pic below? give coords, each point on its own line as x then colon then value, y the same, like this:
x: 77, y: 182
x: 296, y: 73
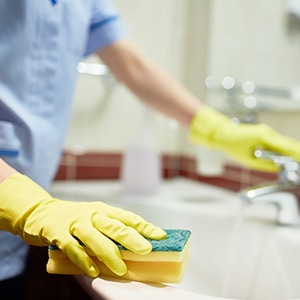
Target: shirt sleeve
x: 106, y: 26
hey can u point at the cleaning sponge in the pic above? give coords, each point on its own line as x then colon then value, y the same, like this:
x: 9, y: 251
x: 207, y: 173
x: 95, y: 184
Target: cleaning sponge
x: 166, y: 263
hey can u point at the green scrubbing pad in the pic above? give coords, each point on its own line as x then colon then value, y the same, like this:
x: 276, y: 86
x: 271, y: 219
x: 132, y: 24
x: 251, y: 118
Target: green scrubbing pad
x: 166, y: 263
x: 175, y: 241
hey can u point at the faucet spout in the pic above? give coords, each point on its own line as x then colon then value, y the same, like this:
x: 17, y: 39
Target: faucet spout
x: 276, y: 193
x: 288, y: 213
x: 250, y: 194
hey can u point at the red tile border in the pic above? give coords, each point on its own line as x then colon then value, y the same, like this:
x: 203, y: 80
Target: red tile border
x: 107, y: 165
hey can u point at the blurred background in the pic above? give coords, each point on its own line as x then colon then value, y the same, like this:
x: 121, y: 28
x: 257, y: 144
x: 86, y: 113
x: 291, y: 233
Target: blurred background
x: 241, y: 57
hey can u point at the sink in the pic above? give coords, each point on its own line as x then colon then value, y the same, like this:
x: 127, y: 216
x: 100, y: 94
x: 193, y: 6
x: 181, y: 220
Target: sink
x: 236, y: 251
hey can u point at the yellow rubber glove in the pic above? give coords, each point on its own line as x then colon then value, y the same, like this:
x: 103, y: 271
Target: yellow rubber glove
x: 29, y: 211
x: 212, y: 129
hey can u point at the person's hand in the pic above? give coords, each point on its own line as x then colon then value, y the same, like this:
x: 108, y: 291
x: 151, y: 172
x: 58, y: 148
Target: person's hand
x: 79, y: 229
x: 212, y: 129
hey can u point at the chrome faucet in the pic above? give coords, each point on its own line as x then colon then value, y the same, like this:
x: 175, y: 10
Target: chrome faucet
x: 276, y: 193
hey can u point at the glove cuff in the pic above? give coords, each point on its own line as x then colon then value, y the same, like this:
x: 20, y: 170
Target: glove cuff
x: 19, y: 196
x: 204, y: 125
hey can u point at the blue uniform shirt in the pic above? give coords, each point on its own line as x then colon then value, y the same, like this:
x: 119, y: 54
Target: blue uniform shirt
x: 41, y: 43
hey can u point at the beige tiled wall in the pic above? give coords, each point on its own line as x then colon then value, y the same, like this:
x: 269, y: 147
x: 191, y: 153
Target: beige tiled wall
x: 257, y: 41
x: 106, y: 120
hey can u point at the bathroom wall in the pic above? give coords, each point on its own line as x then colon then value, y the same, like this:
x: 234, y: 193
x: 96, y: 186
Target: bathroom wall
x: 249, y: 40
x: 105, y: 119
x: 258, y: 41
x: 254, y: 40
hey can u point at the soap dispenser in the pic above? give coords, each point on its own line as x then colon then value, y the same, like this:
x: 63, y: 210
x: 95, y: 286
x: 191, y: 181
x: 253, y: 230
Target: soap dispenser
x: 141, y: 165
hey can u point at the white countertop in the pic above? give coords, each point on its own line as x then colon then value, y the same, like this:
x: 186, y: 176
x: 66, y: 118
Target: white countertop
x: 112, y: 289
x: 212, y: 214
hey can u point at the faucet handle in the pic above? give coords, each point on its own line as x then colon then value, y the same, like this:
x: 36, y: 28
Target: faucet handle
x: 289, y: 168
x: 277, y: 158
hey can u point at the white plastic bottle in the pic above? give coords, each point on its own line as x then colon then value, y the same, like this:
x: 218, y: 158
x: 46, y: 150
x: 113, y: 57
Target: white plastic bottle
x: 141, y: 165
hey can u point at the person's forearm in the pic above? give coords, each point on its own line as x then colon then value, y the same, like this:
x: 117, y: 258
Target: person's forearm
x: 5, y: 170
x: 150, y: 82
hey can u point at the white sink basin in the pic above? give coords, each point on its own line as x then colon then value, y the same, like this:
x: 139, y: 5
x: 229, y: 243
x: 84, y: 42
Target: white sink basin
x: 236, y: 252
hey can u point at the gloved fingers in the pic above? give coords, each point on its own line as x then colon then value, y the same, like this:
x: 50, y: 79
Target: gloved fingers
x: 145, y: 228
x: 248, y: 159
x: 283, y: 145
x: 266, y: 166
x: 125, y: 235
x: 135, y: 221
x: 100, y: 244
x: 258, y: 164
x: 260, y: 136
x: 78, y: 255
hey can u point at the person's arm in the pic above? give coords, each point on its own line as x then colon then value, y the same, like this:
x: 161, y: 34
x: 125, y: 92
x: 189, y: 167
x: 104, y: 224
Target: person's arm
x: 5, y: 170
x: 150, y: 82
x: 207, y: 127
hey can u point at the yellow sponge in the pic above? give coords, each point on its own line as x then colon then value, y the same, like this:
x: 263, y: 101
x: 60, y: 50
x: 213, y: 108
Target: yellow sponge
x: 166, y: 263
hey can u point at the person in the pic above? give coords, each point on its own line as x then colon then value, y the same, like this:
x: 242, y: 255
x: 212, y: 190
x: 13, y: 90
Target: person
x: 41, y: 44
